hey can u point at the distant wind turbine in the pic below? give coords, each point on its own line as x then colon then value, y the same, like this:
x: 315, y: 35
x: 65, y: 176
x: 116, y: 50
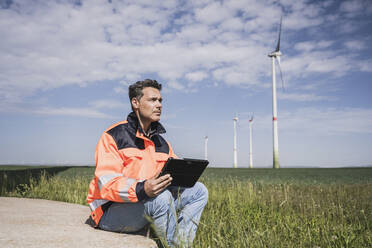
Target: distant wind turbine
x: 276, y: 55
x: 235, y: 145
x: 250, y: 143
x: 206, y: 147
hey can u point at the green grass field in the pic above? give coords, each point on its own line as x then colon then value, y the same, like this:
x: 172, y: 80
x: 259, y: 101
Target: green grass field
x: 256, y: 207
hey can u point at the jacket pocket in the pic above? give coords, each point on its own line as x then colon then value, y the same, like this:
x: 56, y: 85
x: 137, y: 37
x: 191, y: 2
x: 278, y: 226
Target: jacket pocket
x: 132, y: 153
x: 161, y: 157
x: 132, y: 158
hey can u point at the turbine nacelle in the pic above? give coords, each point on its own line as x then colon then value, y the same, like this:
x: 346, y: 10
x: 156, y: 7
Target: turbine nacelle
x: 275, y: 54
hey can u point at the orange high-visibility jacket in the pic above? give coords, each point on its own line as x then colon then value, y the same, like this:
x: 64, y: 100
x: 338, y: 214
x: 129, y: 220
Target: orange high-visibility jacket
x: 125, y: 158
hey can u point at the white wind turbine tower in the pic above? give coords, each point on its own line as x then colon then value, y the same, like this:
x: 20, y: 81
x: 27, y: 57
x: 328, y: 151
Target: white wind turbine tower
x: 206, y: 147
x: 276, y: 55
x: 235, y: 145
x: 250, y: 143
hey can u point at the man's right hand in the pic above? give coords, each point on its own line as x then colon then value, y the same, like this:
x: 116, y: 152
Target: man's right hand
x: 154, y: 186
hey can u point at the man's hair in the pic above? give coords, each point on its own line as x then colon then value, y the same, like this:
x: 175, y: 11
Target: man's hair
x: 135, y: 90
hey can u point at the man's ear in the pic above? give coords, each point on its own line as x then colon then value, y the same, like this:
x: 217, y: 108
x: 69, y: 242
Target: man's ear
x: 135, y: 103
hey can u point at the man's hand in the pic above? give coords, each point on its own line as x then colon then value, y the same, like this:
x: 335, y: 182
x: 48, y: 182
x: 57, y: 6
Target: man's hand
x: 154, y: 186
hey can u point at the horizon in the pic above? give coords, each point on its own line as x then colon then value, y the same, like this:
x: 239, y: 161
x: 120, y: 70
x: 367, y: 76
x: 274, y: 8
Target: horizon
x: 212, y: 166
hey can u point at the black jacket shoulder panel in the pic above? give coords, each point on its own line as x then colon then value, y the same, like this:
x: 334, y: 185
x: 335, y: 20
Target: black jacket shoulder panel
x: 124, y: 138
x: 161, y: 145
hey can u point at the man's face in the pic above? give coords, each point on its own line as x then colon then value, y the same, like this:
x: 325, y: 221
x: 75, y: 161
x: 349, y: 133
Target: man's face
x: 149, y: 106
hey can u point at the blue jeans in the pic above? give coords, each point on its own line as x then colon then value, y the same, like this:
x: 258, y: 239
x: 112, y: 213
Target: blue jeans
x: 175, y: 214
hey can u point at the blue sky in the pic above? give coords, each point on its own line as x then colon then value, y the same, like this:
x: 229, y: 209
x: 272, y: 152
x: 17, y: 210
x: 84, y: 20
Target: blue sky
x: 65, y: 67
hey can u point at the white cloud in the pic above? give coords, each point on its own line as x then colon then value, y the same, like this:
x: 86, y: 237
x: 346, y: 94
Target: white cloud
x: 324, y: 44
x: 308, y: 46
x: 234, y: 24
x: 96, y: 109
x: 355, y: 45
x: 365, y: 66
x: 304, y: 16
x: 349, y: 27
x: 233, y: 76
x: 354, y: 8
x: 175, y: 85
x: 53, y: 44
x: 338, y: 65
x: 351, y: 6
x: 212, y: 13
x: 120, y: 90
x: 327, y: 62
x: 304, y: 97
x: 304, y: 46
x: 80, y: 112
x: 330, y: 121
x: 317, y: 121
x: 108, y: 104
x: 196, y: 76
x: 196, y: 33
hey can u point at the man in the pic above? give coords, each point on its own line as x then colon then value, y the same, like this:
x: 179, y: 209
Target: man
x: 129, y: 157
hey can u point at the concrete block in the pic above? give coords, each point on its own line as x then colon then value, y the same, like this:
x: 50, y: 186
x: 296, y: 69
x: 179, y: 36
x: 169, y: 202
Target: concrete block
x: 42, y: 223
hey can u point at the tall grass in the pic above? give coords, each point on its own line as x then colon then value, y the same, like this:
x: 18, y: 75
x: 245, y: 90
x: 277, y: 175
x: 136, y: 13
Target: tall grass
x: 254, y: 208
x: 67, y: 189
x: 244, y: 214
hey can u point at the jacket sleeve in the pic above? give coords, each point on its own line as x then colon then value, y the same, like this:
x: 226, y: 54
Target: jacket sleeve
x: 113, y: 186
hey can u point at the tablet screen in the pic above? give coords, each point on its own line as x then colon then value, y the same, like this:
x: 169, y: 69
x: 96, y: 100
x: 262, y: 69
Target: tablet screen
x: 185, y: 172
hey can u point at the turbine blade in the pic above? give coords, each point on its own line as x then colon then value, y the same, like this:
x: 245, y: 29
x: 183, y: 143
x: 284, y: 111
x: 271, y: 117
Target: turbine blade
x: 281, y: 74
x: 280, y: 31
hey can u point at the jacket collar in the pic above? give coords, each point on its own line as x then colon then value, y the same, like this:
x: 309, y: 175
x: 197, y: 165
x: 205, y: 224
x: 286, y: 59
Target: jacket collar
x: 155, y: 127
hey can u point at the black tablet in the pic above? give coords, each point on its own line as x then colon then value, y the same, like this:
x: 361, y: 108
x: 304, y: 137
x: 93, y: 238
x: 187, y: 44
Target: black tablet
x: 185, y: 172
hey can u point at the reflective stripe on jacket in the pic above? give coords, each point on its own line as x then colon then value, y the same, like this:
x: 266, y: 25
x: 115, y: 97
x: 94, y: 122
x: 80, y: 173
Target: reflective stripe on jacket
x: 125, y: 158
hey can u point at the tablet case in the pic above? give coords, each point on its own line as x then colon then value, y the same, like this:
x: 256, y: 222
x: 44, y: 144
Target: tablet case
x: 185, y: 172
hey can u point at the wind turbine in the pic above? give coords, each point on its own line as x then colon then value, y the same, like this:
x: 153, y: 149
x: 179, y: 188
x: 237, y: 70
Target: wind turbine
x: 276, y: 55
x: 206, y: 147
x: 250, y: 143
x: 235, y: 146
